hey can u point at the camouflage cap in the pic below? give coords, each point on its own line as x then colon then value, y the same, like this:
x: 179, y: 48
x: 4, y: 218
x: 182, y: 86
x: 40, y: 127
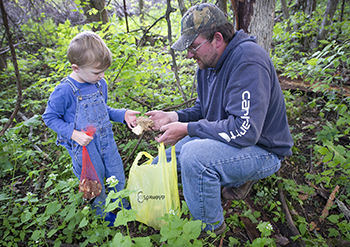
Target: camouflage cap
x: 198, y: 19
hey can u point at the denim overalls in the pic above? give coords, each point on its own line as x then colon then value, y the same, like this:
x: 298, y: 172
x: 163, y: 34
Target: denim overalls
x: 103, y: 151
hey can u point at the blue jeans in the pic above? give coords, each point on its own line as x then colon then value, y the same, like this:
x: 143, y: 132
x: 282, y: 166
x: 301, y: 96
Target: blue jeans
x: 207, y: 164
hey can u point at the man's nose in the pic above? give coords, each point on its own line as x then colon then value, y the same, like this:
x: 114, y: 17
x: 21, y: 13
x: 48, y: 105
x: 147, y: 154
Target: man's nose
x: 189, y: 54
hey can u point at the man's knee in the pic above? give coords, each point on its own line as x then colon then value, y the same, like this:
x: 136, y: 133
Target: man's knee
x: 193, y: 155
x: 187, y: 155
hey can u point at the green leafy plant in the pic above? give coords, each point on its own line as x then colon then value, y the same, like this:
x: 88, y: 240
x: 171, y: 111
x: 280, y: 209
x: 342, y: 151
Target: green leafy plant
x: 265, y: 228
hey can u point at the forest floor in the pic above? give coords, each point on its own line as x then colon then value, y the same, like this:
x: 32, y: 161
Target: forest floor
x: 293, y: 168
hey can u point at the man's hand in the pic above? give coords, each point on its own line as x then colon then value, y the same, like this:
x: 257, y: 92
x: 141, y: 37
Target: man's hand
x: 161, y: 118
x: 81, y: 138
x: 172, y: 133
x: 130, y: 118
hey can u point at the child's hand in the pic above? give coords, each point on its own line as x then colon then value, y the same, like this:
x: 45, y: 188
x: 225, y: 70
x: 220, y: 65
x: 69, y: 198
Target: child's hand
x: 130, y: 118
x: 81, y: 138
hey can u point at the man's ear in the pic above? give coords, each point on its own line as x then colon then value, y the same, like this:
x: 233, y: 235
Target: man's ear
x: 219, y: 39
x: 75, y: 68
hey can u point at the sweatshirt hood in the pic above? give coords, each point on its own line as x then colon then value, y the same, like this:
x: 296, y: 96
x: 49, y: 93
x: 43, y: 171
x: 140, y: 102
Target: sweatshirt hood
x: 239, y: 38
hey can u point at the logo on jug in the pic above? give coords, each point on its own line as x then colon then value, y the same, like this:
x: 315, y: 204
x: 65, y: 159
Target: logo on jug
x: 141, y: 197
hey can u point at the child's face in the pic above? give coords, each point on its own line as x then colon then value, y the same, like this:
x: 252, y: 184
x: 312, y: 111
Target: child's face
x: 88, y: 74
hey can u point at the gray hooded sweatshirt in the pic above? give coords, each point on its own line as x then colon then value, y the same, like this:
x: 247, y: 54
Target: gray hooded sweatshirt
x: 240, y: 101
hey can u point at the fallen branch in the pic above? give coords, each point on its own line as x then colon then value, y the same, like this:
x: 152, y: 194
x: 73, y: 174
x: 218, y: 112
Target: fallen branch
x: 286, y: 211
x: 325, y: 211
x: 221, y: 242
x: 280, y: 240
x: 283, y: 201
x: 251, y: 228
x: 325, y: 194
x: 343, y: 208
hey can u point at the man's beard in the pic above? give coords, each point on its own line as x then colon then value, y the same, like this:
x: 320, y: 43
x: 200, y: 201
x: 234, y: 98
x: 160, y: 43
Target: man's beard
x: 208, y: 62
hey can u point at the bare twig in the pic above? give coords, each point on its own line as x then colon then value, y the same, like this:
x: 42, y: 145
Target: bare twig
x: 6, y: 49
x: 133, y: 151
x: 179, y: 105
x: 168, y: 12
x: 194, y: 84
x: 14, y: 61
x: 127, y: 59
x: 139, y: 101
x: 163, y: 109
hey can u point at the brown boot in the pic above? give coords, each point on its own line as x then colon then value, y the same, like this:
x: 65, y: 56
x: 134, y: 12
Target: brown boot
x: 240, y: 193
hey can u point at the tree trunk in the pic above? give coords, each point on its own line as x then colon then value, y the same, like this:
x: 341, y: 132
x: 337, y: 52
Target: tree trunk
x: 182, y: 7
x: 15, y: 65
x: 302, y: 4
x: 285, y: 9
x: 286, y: 15
x: 256, y: 18
x: 327, y: 18
x: 341, y: 15
x: 222, y: 4
x: 342, y: 11
x: 126, y: 17
x: 3, y: 61
x: 100, y: 16
x: 141, y: 10
x: 310, y: 7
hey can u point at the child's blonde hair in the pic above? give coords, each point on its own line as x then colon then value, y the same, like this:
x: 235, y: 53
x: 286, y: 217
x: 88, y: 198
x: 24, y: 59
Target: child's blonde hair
x: 88, y: 49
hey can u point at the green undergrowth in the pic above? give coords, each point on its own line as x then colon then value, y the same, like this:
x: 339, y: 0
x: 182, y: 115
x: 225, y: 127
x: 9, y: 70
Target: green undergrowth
x: 39, y: 200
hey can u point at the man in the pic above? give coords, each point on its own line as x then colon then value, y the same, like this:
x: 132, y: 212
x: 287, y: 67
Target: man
x: 237, y: 132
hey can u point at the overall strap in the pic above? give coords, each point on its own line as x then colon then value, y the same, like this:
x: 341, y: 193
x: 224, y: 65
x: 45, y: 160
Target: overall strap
x: 76, y: 90
x: 98, y: 85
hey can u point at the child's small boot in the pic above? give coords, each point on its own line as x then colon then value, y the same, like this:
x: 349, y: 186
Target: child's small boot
x: 124, y: 202
x: 111, y: 218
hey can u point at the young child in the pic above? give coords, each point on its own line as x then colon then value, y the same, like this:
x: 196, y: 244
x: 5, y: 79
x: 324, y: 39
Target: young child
x: 79, y: 101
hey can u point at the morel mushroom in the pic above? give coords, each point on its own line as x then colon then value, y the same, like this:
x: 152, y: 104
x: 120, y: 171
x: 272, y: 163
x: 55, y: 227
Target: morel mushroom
x: 142, y: 124
x: 90, y: 188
